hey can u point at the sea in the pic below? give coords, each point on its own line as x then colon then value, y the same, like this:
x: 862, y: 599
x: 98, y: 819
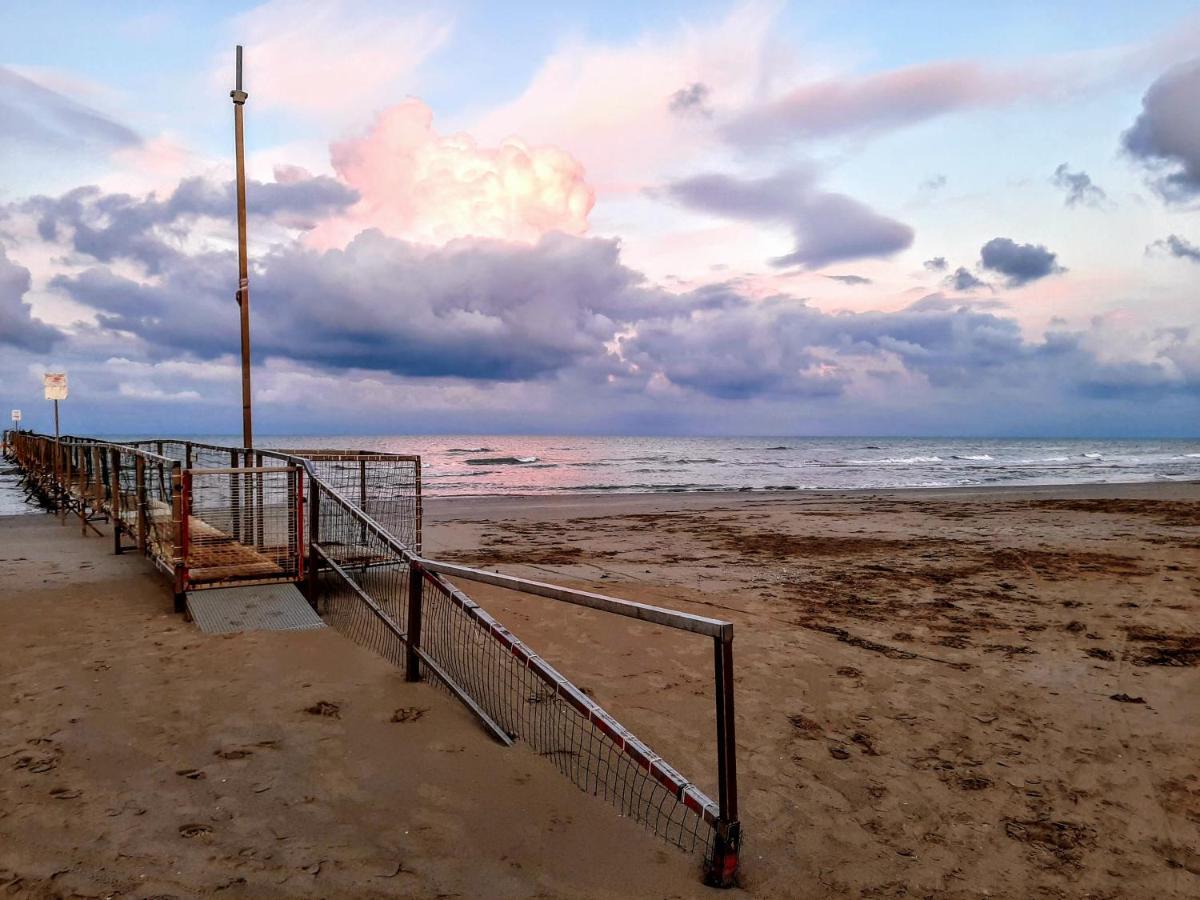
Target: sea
x: 471, y: 465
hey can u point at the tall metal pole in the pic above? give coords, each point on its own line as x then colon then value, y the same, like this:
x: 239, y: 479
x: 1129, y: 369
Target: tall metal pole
x: 243, y: 295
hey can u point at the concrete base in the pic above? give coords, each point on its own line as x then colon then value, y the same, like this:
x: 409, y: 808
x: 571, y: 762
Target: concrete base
x: 270, y: 607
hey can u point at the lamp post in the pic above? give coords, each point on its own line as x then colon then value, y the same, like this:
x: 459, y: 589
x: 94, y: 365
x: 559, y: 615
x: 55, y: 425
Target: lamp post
x: 243, y: 294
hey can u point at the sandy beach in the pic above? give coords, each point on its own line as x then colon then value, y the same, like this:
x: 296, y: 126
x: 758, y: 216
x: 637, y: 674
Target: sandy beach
x: 941, y: 694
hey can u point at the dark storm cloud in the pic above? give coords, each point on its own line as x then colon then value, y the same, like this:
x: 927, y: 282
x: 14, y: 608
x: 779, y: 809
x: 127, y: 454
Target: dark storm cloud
x: 1176, y: 246
x: 963, y: 280
x: 827, y: 227
x: 937, y: 264
x: 691, y: 100
x: 111, y: 226
x: 1019, y: 263
x: 1079, y: 187
x: 546, y: 317
x: 1166, y: 135
x: 849, y: 279
x: 18, y: 327
x: 36, y: 116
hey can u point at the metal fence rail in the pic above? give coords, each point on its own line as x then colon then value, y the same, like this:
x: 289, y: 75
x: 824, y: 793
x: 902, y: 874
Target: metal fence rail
x: 380, y: 593
x: 322, y: 522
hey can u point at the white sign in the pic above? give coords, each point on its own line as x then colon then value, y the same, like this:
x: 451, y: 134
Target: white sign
x: 16, y: 415
x: 55, y: 384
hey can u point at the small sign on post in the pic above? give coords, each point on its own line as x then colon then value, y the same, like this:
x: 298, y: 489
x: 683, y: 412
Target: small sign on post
x: 16, y: 416
x: 55, y: 386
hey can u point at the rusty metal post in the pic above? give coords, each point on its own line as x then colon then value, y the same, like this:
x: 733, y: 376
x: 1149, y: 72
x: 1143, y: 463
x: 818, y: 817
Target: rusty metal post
x: 239, y: 98
x: 416, y: 584
x: 721, y: 870
x: 179, y: 513
x: 362, y: 498
x: 259, y: 478
x: 96, y: 488
x: 312, y: 583
x: 114, y: 503
x: 64, y: 494
x: 143, y: 512
x: 235, y: 499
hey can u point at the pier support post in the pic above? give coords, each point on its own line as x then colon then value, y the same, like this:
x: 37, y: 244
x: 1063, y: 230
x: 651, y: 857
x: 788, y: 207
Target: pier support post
x: 139, y: 475
x: 114, y: 490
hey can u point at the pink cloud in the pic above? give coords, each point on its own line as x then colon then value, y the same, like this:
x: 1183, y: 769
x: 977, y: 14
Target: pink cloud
x: 417, y: 184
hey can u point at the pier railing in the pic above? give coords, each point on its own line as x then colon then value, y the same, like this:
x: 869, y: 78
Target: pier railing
x: 377, y: 589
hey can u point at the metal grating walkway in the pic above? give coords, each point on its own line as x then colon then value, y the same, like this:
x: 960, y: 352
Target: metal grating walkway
x: 268, y: 607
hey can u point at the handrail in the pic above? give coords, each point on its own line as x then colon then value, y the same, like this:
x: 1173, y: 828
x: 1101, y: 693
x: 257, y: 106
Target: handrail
x: 657, y: 615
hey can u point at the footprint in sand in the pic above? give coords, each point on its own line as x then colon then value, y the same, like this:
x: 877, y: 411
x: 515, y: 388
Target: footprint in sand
x: 194, y: 829
x: 409, y: 713
x: 324, y: 708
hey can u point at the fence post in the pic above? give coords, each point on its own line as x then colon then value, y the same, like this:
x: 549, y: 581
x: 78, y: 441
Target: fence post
x: 721, y: 870
x: 416, y: 583
x: 179, y: 512
x: 235, y: 499
x: 312, y: 583
x: 259, y: 478
x: 114, y: 503
x: 139, y: 477
x: 362, y: 497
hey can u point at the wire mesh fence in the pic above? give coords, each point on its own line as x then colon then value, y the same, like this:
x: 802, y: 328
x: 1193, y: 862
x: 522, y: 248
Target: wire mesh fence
x: 376, y: 592
x: 242, y: 524
x: 348, y: 524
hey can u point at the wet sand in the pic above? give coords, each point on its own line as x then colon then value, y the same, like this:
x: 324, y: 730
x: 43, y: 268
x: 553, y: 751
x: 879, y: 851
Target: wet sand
x: 939, y: 693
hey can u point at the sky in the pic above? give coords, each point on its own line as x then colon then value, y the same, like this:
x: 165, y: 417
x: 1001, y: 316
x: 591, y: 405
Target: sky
x: 807, y: 218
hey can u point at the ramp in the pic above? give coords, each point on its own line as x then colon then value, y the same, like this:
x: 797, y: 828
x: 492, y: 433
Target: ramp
x: 268, y: 607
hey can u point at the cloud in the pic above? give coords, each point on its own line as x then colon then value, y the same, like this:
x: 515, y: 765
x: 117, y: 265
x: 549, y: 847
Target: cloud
x: 849, y: 279
x: 937, y: 264
x: 827, y: 227
x: 36, y: 117
x: 509, y: 335
x: 150, y: 231
x: 1080, y: 188
x: 1019, y: 263
x: 336, y: 59
x: 875, y: 103
x: 1177, y: 247
x: 963, y: 280
x: 18, y: 327
x: 604, y: 100
x: 416, y: 183
x: 1165, y: 137
x: 691, y: 100
x: 934, y: 183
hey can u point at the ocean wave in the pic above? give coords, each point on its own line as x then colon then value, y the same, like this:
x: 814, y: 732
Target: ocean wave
x: 501, y: 461
x: 1091, y: 456
x: 471, y: 450
x: 982, y: 457
x: 894, y: 461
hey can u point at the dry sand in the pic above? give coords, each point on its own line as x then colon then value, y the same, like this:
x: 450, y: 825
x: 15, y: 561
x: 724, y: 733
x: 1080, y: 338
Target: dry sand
x: 142, y: 758
x: 940, y: 694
